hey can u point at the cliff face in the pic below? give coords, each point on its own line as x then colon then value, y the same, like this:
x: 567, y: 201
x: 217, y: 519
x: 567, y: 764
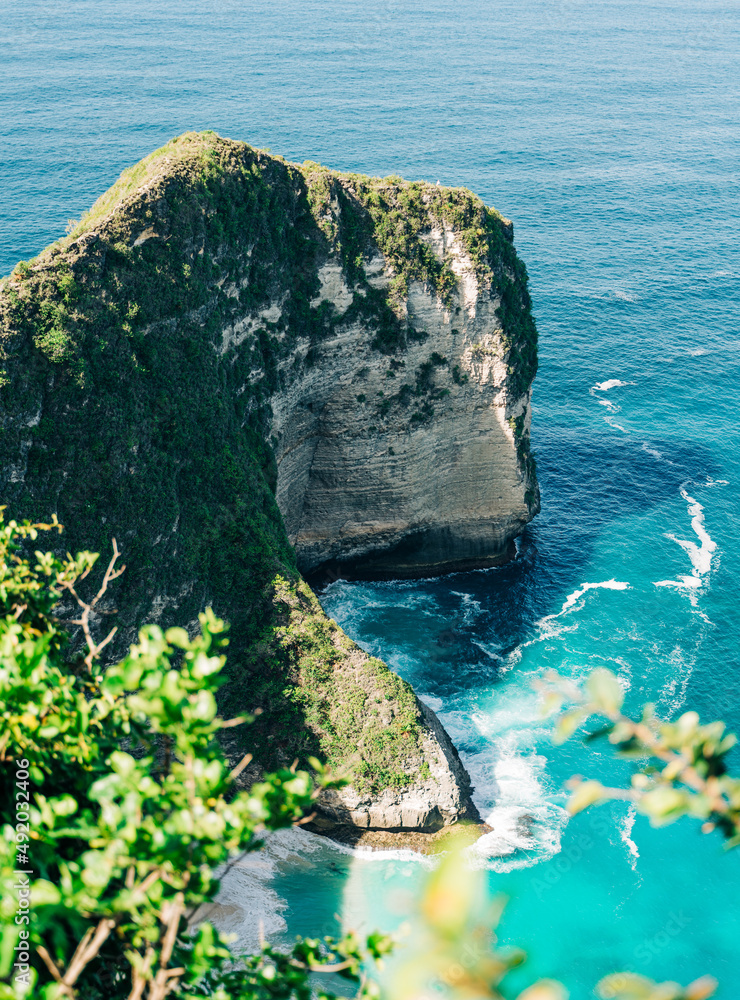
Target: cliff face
x: 415, y: 461
x: 227, y: 338
x: 406, y: 468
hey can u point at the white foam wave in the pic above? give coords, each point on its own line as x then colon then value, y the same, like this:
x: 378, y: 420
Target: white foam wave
x: 469, y: 607
x: 493, y: 652
x: 383, y: 854
x: 612, y: 407
x: 699, y: 555
x: 520, y: 838
x: 625, y: 832
x: 683, y: 582
x: 526, y: 828
x: 508, y: 776
x: 617, y: 427
x: 612, y: 383
x: 673, y: 694
x: 658, y: 455
x: 344, y: 596
x: 572, y: 599
x: 549, y: 627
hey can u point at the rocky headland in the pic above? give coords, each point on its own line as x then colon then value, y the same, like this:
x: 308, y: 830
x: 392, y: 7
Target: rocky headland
x: 251, y: 372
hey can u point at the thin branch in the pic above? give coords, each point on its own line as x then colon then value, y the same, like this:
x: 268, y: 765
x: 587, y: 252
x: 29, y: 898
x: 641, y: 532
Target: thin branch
x: 82, y: 958
x: 107, y: 639
x: 111, y: 574
x: 239, y: 720
x: 149, y: 880
x: 176, y: 908
x: 138, y: 982
x: 88, y: 947
x: 246, y: 759
x: 163, y: 981
x: 337, y: 967
x: 306, y: 819
x: 52, y: 967
x: 139, y: 977
x: 81, y: 946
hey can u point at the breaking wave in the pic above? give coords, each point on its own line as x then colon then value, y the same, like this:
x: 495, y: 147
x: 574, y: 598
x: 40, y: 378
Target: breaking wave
x: 700, y: 555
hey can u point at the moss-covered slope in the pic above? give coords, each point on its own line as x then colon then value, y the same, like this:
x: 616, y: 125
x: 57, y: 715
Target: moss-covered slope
x: 122, y: 412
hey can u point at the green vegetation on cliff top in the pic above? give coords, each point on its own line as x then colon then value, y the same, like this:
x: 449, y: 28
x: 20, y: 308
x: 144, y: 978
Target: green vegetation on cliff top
x: 123, y: 414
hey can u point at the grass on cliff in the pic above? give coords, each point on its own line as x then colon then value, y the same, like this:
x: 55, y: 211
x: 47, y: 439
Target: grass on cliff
x: 141, y: 175
x: 359, y: 213
x: 320, y: 694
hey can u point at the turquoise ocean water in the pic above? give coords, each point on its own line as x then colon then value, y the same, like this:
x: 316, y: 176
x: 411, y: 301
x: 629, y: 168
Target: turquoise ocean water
x: 609, y: 133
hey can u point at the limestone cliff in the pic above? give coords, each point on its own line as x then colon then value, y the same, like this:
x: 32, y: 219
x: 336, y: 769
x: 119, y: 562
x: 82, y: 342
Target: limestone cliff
x: 409, y: 465
x: 234, y: 362
x: 413, y: 461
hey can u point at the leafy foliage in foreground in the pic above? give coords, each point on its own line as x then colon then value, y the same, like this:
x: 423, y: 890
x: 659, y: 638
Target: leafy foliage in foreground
x: 683, y: 767
x: 119, y: 803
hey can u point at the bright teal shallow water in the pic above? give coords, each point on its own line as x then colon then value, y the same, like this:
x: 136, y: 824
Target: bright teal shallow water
x: 608, y: 132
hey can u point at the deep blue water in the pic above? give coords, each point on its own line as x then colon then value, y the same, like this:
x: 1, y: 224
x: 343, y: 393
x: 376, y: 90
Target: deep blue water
x: 609, y: 133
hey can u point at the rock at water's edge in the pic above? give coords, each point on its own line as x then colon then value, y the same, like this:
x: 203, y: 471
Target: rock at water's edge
x: 427, y: 805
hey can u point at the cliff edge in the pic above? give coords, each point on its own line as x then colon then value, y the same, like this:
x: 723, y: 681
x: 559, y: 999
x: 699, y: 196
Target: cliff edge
x: 244, y: 370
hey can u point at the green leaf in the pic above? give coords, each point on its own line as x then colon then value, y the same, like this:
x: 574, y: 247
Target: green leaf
x: 701, y: 988
x: 604, y: 691
x: 663, y: 804
x: 8, y: 938
x: 44, y: 893
x: 567, y: 724
x: 625, y: 986
x: 545, y: 989
x: 586, y: 794
x: 65, y: 805
x: 178, y: 637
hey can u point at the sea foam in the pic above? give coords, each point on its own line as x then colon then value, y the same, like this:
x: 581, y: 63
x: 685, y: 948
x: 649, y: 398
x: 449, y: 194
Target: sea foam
x: 572, y: 599
x: 612, y: 383
x: 700, y: 555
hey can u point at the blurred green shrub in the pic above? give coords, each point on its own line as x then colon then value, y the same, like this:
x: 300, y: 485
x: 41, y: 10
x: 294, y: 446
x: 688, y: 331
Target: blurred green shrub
x: 118, y: 805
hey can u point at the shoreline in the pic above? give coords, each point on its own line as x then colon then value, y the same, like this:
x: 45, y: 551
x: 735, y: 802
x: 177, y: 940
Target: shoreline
x: 382, y: 841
